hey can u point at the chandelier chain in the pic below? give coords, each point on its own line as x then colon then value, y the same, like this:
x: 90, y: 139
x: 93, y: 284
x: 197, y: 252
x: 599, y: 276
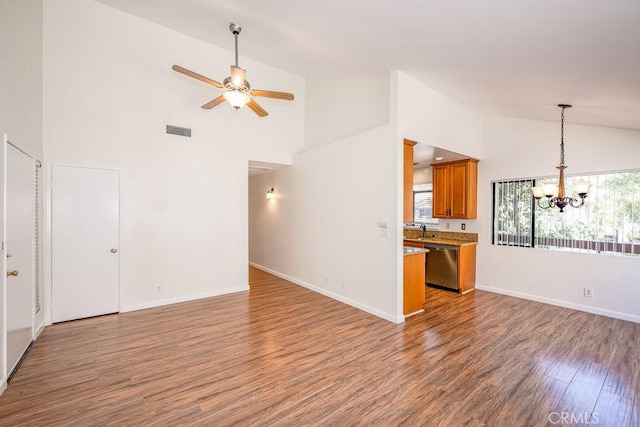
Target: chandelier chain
x: 557, y: 197
x: 562, y: 137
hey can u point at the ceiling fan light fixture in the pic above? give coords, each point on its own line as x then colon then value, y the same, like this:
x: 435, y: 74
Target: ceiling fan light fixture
x: 237, y: 76
x: 236, y: 98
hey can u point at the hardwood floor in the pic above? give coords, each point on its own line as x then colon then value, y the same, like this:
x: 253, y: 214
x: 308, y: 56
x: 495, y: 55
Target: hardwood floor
x: 283, y: 355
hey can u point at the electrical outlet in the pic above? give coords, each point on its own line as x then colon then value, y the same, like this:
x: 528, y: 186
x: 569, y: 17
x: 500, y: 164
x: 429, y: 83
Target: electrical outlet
x: 448, y: 226
x: 588, y: 292
x: 158, y: 289
x: 463, y: 226
x: 326, y: 280
x: 344, y: 285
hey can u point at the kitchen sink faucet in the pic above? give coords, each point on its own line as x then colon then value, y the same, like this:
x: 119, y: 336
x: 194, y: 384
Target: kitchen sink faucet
x: 423, y: 227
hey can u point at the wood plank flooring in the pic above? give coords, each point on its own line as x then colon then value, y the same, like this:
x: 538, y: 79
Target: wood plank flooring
x: 283, y: 355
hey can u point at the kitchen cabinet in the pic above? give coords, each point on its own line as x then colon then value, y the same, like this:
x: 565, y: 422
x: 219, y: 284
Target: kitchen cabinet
x: 407, y: 215
x: 413, y: 292
x: 467, y: 268
x: 413, y: 244
x: 455, y: 189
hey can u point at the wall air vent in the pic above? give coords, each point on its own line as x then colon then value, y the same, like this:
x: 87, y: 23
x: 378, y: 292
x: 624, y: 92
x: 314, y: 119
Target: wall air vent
x: 176, y: 130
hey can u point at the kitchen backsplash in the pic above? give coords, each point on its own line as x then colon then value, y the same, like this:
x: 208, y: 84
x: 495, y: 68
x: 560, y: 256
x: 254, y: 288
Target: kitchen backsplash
x: 446, y: 235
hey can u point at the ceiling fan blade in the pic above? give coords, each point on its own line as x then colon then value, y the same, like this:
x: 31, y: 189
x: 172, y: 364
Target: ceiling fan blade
x: 209, y: 105
x: 257, y: 108
x: 271, y: 94
x: 196, y: 76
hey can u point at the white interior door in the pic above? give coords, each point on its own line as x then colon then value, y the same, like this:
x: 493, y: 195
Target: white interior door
x: 19, y: 251
x: 84, y: 242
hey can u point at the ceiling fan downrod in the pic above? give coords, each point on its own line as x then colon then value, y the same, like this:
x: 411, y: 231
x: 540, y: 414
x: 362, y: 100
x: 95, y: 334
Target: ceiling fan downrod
x: 235, y: 30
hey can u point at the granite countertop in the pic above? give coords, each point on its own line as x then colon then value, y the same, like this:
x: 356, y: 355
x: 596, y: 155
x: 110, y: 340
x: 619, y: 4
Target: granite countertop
x: 440, y: 241
x: 408, y: 250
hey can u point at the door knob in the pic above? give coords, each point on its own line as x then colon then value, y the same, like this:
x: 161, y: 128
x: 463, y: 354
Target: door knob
x: 12, y: 273
x: 114, y: 250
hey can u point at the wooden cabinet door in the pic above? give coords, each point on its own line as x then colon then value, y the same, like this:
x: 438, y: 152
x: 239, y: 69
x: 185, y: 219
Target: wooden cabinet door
x: 458, y: 190
x: 413, y: 298
x: 407, y: 215
x: 466, y: 268
x: 440, y: 191
x: 455, y: 188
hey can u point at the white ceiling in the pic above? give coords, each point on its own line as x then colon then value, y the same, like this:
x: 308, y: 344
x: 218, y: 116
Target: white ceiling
x: 258, y: 168
x: 424, y: 155
x: 515, y: 58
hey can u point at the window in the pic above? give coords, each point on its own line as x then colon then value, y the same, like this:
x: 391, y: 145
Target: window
x: 609, y: 222
x: 423, y: 204
x: 513, y: 213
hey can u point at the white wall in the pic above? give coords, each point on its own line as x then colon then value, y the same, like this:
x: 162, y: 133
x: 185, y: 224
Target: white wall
x: 429, y: 117
x: 322, y: 228
x: 422, y: 175
x: 21, y: 74
x: 516, y: 148
x: 339, y: 108
x: 109, y: 91
x: 20, y: 106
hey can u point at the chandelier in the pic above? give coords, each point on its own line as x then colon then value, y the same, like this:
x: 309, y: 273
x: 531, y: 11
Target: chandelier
x: 555, y: 196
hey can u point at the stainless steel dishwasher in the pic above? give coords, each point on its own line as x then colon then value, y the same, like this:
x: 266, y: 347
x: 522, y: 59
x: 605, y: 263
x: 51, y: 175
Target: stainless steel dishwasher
x: 441, y: 268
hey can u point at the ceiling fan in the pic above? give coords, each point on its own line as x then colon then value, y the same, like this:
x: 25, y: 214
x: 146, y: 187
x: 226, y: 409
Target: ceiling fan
x: 237, y: 89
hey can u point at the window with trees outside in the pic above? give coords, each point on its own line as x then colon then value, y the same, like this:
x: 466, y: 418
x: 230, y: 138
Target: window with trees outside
x: 423, y: 204
x: 609, y: 221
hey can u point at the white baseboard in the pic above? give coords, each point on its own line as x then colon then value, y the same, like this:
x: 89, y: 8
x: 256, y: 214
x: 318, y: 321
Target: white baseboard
x: 39, y: 330
x: 183, y: 298
x: 348, y: 301
x: 3, y: 386
x: 560, y: 303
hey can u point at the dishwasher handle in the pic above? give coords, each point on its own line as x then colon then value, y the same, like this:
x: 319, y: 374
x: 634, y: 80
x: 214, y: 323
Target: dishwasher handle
x: 441, y: 248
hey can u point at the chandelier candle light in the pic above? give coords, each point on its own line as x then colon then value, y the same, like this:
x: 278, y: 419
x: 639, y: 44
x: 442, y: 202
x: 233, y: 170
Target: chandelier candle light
x: 555, y: 196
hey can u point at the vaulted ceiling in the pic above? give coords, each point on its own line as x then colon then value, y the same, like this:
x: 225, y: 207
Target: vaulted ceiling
x: 516, y: 58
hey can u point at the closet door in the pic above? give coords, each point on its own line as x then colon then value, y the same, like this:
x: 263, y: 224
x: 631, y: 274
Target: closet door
x: 84, y: 242
x: 19, y: 250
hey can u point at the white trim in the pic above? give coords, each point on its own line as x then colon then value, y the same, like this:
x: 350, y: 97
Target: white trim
x: 3, y: 386
x: 406, y: 316
x: 46, y: 243
x: 3, y: 262
x: 348, y: 301
x: 184, y: 298
x: 560, y: 303
x: 39, y: 329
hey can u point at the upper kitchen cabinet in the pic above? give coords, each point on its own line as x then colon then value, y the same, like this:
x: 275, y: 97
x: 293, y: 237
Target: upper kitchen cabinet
x: 407, y: 215
x: 455, y: 189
